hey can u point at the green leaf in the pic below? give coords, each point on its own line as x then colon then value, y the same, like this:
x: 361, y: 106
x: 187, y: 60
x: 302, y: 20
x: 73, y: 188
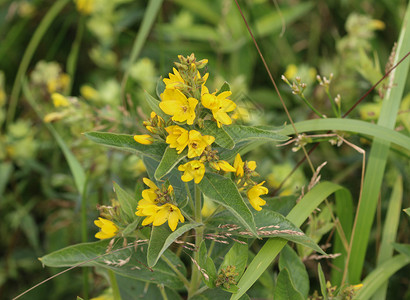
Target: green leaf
x: 407, y: 211
x: 285, y: 290
x: 349, y: 125
x: 6, y: 169
x: 297, y: 270
x: 136, y: 289
x: 241, y: 133
x: 216, y: 294
x: 170, y: 159
x: 380, y: 275
x: 131, y: 227
x: 237, y: 256
x: 126, y: 142
x: 154, y: 105
x: 322, y: 281
x: 160, y: 88
x: 223, y: 191
x: 378, y: 157
x: 94, y: 254
x: 75, y: 167
x: 206, y: 263
x: 272, y: 247
x: 390, y: 229
x: 268, y: 224
x: 221, y: 137
x: 273, y: 21
x: 161, y: 238
x: 241, y: 148
x: 402, y: 248
x: 128, y: 204
x: 224, y: 88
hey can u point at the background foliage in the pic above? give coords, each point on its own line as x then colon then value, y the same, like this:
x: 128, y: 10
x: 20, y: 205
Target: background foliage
x: 48, y: 201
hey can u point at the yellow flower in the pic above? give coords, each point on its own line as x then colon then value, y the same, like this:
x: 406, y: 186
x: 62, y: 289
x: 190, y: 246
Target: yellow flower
x: 108, y: 229
x: 59, y: 100
x: 238, y: 165
x: 254, y: 193
x: 144, y: 139
x: 58, y: 84
x: 168, y: 212
x: 175, y: 104
x: 174, y: 81
x: 198, y: 142
x: 194, y: 169
x: 177, y: 137
x: 89, y: 92
x: 54, y: 116
x: 85, y: 6
x: 219, y: 106
x: 222, y: 165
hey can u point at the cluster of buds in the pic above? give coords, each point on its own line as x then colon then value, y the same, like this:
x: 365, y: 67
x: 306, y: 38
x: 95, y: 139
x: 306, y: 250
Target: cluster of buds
x: 227, y: 277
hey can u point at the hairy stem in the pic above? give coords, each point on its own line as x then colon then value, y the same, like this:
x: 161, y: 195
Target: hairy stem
x: 199, y: 232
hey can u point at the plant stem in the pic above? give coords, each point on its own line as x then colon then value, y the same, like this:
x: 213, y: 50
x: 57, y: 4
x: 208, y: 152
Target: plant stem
x: 311, y: 106
x: 177, y: 272
x: 28, y: 54
x: 73, y: 56
x: 84, y: 236
x: 199, y: 232
x: 162, y: 290
x: 114, y: 285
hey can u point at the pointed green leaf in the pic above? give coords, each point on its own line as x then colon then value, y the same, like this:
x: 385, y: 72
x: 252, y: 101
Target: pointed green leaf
x: 131, y: 288
x: 207, y: 265
x: 297, y: 270
x: 268, y: 224
x: 170, y: 159
x: 160, y: 88
x: 237, y: 256
x: 402, y: 248
x: 161, y: 238
x: 285, y: 290
x: 407, y: 211
x: 125, y: 262
x: 127, y: 142
x: 380, y: 275
x: 154, y: 105
x: 241, y: 148
x: 241, y: 133
x: 322, y: 281
x: 223, y: 191
x: 128, y: 204
x: 221, y: 137
x: 224, y: 88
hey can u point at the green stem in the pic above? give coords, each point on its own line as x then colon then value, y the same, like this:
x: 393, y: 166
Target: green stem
x: 162, y: 290
x: 114, y: 285
x: 28, y: 54
x: 177, y: 272
x: 311, y: 106
x: 73, y: 56
x: 199, y: 232
x: 191, y: 201
x: 84, y: 236
x: 334, y: 106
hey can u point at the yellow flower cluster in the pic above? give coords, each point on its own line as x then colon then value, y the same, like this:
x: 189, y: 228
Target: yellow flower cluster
x: 189, y: 104
x: 157, y: 206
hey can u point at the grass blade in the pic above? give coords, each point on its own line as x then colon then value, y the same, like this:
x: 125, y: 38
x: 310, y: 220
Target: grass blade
x: 28, y: 54
x: 273, y: 246
x: 378, y: 157
x: 391, y: 225
x: 75, y: 167
x: 380, y: 275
